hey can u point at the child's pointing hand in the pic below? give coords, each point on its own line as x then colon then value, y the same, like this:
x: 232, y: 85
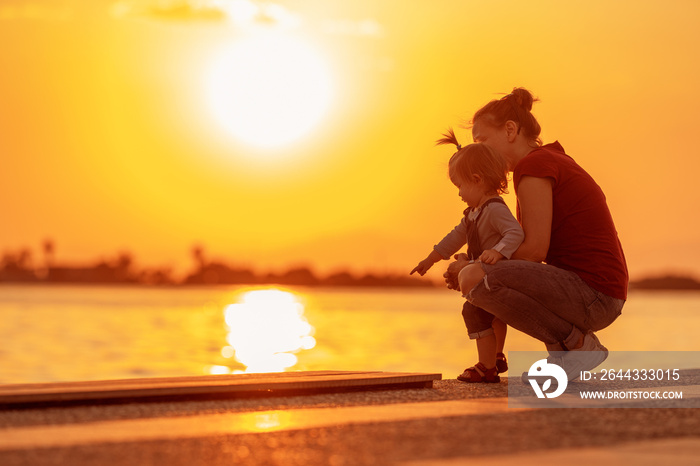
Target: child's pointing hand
x: 422, y: 267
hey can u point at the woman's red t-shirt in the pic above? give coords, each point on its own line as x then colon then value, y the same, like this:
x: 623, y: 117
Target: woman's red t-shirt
x: 584, y: 239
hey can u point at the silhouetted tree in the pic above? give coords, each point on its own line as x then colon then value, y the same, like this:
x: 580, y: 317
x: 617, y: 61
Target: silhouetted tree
x: 17, y: 266
x: 122, y: 267
x: 214, y: 273
x: 49, y: 249
x: 158, y: 276
x: 340, y: 279
x: 299, y: 276
x: 198, y: 256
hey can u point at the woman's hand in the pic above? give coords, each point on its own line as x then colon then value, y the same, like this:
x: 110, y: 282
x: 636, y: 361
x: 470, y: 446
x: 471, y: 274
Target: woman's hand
x: 490, y: 256
x: 453, y: 270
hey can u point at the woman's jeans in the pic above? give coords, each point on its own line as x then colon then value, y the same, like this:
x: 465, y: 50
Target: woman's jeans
x: 548, y: 303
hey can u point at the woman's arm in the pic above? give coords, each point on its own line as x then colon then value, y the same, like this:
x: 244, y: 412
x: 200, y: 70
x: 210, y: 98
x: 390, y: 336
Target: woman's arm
x: 535, y: 200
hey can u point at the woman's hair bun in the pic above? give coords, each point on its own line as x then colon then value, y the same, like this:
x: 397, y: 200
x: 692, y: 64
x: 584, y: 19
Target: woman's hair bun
x: 523, y: 98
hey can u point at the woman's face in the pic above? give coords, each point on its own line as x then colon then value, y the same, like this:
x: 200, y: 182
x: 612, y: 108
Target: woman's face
x: 495, y: 138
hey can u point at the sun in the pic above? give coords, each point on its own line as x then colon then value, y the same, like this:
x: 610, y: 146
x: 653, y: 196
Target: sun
x: 268, y: 90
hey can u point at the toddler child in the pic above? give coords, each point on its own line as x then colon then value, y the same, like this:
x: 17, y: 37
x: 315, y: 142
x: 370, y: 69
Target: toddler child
x: 491, y: 234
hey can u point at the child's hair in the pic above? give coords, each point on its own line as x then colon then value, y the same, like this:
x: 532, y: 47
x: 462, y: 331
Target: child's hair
x: 516, y: 107
x: 477, y: 159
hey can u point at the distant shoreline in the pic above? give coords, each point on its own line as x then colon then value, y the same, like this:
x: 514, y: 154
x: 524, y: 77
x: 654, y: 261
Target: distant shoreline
x: 18, y: 267
x: 666, y: 283
x: 661, y: 283
x: 207, y: 275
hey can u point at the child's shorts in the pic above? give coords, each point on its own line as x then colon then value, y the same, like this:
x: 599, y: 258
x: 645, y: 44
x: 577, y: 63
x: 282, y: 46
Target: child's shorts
x: 479, y: 322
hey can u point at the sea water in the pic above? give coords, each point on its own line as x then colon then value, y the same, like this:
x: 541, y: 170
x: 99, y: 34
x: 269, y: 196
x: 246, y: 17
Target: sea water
x: 65, y: 333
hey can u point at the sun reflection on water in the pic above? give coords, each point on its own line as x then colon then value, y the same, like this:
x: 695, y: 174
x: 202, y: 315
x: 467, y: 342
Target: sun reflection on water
x: 265, y: 330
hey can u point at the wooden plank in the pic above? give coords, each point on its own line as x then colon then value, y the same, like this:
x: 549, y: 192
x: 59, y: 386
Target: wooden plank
x: 206, y: 387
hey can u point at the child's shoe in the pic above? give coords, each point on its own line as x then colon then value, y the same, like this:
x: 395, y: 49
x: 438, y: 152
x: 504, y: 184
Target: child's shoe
x: 501, y: 363
x: 471, y: 375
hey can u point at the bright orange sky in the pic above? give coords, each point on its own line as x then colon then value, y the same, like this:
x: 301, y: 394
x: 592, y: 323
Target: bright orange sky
x: 109, y: 140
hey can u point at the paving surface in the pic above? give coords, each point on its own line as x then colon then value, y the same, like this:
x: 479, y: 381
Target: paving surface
x: 452, y: 423
x: 206, y: 387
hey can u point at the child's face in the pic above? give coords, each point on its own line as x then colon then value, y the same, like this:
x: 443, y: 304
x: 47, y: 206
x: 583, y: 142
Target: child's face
x: 471, y: 192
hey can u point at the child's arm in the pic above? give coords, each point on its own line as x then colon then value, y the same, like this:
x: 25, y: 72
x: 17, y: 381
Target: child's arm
x: 450, y: 244
x: 424, y: 265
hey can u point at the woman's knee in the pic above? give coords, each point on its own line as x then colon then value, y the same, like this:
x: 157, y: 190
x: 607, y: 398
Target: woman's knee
x: 469, y: 277
x: 603, y: 312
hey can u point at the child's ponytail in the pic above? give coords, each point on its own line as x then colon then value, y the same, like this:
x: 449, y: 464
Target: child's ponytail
x: 449, y: 138
x: 476, y: 159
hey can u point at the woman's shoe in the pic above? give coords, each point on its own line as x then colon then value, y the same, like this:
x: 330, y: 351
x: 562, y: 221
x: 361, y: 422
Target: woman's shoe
x: 586, y: 358
x: 471, y: 375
